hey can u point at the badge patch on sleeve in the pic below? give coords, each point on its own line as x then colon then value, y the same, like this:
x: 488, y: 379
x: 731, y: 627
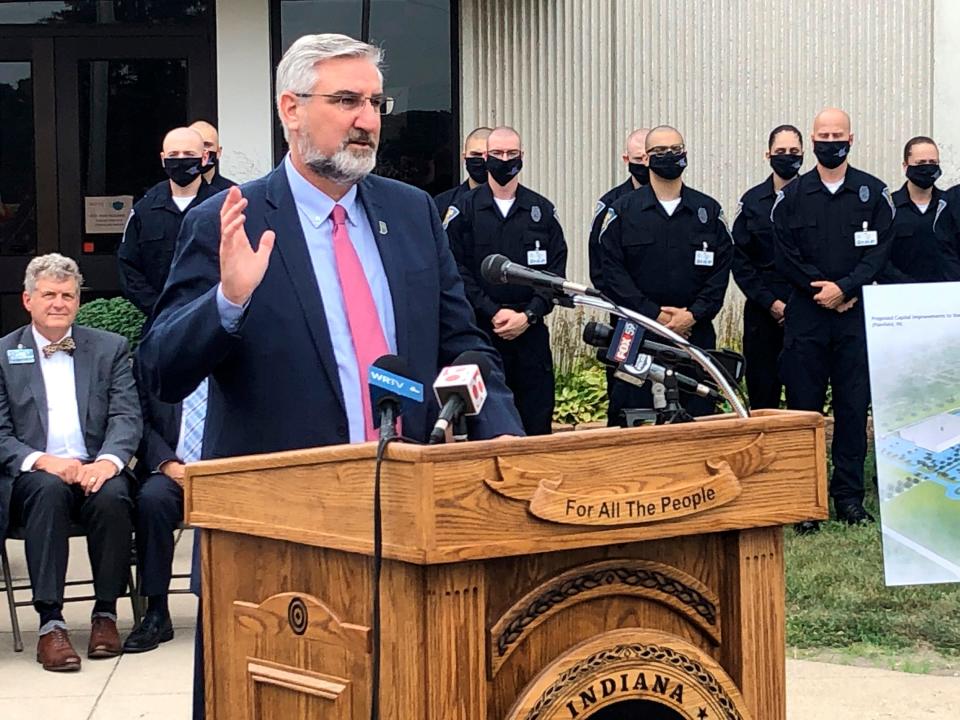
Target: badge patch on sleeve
x: 889, y: 199
x: 598, y: 209
x: 452, y: 212
x: 610, y: 217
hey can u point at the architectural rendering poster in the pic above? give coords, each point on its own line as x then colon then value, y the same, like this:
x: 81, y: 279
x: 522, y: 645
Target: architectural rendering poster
x: 913, y: 344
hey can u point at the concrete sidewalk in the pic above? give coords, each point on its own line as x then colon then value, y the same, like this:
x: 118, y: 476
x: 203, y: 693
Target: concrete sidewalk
x: 157, y: 685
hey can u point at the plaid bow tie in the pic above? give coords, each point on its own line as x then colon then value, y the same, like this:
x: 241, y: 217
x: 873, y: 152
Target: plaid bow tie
x: 67, y: 345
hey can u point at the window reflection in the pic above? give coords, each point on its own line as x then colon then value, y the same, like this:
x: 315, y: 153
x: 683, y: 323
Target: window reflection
x: 18, y: 193
x: 96, y: 11
x: 418, y: 142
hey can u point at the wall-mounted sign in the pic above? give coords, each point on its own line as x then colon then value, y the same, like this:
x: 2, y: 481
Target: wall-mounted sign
x: 106, y: 214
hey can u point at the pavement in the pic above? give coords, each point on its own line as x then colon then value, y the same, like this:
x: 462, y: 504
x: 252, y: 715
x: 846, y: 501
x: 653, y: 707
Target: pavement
x: 157, y: 685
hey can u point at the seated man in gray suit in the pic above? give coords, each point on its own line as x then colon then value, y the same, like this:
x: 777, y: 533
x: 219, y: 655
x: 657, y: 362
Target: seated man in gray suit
x: 69, y: 424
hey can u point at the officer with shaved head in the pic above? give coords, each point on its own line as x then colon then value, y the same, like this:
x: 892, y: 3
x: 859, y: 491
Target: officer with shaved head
x: 211, y: 143
x: 635, y: 158
x: 507, y: 218
x: 665, y: 251
x: 832, y: 229
x: 475, y: 163
x: 150, y: 237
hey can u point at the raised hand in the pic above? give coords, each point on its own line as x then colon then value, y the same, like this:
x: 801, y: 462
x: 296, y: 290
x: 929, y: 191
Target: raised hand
x: 241, y: 267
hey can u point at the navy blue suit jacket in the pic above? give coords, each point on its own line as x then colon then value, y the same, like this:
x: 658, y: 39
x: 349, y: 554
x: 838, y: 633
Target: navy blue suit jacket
x: 274, y: 382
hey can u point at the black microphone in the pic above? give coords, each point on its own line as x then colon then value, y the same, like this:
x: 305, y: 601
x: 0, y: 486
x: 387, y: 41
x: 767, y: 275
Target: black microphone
x: 600, y: 335
x: 501, y: 270
x: 461, y: 390
x: 391, y: 392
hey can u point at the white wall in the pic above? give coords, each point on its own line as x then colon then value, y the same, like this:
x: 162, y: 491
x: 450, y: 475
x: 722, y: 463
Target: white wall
x: 574, y: 76
x: 244, y: 102
x: 945, y: 89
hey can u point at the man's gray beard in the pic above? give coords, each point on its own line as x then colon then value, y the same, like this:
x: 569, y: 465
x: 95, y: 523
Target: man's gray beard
x: 344, y: 167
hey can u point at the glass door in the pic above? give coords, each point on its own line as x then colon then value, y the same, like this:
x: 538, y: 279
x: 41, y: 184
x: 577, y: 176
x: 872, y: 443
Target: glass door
x: 116, y: 99
x: 28, y: 177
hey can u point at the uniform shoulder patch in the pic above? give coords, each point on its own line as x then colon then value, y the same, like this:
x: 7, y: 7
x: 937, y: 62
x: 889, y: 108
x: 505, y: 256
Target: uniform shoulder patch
x: 609, y: 218
x: 886, y: 195
x: 598, y: 209
x: 941, y: 206
x: 775, y: 203
x: 127, y: 224
x: 736, y: 213
x: 452, y: 212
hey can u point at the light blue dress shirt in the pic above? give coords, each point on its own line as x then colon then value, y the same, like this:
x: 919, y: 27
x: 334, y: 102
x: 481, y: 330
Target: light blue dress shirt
x: 314, y: 208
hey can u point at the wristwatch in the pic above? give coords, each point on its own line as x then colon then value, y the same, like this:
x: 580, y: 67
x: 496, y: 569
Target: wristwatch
x: 532, y: 318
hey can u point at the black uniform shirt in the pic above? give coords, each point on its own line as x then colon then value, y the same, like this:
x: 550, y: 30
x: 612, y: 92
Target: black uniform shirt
x: 450, y: 197
x: 917, y: 252
x: 477, y: 229
x: 593, y: 244
x: 947, y: 227
x: 754, y: 268
x: 149, y: 240
x: 219, y: 183
x: 815, y: 230
x: 648, y: 258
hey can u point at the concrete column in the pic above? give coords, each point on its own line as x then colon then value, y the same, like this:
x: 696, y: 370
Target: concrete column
x: 244, y: 101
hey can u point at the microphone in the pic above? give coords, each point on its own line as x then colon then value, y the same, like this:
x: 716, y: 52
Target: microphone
x: 392, y: 392
x: 624, y: 352
x: 500, y: 270
x: 601, y: 335
x: 461, y: 390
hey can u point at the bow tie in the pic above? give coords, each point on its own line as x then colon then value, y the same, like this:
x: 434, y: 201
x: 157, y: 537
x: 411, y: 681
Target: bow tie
x: 67, y: 345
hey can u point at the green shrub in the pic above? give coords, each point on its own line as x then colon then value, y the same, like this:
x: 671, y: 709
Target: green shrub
x: 581, y: 393
x: 117, y: 315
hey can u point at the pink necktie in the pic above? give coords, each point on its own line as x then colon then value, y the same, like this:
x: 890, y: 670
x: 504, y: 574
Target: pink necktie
x: 369, y: 342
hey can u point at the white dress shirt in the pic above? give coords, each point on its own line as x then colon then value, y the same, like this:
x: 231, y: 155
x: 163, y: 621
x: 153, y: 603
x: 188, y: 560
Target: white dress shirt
x: 64, y: 430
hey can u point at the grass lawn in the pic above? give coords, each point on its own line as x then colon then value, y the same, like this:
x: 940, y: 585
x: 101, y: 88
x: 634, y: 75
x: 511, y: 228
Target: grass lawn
x: 838, y: 607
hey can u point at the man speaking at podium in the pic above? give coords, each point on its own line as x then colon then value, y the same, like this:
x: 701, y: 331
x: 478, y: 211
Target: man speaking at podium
x: 286, y: 289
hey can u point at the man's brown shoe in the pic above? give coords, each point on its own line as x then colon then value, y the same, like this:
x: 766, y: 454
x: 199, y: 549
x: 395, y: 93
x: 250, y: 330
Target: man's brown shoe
x: 55, y: 652
x: 104, y: 639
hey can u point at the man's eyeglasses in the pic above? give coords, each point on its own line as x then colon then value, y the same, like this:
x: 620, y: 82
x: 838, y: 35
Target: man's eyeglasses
x: 352, y: 102
x: 504, y: 154
x: 664, y: 149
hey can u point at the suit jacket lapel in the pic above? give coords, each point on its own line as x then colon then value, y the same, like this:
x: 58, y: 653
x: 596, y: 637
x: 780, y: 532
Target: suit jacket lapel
x: 283, y: 219
x: 393, y: 264
x: 37, y: 387
x: 82, y: 374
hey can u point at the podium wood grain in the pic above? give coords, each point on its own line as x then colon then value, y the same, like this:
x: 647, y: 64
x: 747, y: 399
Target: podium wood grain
x: 480, y: 597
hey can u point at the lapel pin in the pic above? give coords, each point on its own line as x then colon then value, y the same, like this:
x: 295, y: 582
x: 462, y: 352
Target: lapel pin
x: 383, y: 228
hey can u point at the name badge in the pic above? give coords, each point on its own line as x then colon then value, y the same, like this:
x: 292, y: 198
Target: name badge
x: 703, y: 258
x: 536, y: 256
x: 865, y: 238
x: 20, y: 356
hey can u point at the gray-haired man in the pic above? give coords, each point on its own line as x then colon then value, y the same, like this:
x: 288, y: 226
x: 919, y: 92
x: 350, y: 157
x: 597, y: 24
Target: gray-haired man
x: 69, y: 424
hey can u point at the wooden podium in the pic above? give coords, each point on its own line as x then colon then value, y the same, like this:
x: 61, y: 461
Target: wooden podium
x: 604, y: 574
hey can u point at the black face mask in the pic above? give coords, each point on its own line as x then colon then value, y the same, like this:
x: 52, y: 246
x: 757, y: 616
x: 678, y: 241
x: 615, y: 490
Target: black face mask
x: 182, y: 171
x: 923, y: 176
x: 503, y: 171
x: 211, y: 163
x: 831, y: 153
x: 786, y: 166
x: 668, y: 166
x: 640, y: 173
x: 476, y: 169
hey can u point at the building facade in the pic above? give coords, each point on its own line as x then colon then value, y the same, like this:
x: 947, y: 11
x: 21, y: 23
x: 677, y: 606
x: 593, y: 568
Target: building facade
x: 87, y: 89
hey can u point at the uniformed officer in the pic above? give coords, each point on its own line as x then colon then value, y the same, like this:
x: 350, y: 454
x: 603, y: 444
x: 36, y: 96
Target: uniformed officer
x: 505, y: 217
x: 665, y: 252
x: 150, y: 237
x: 925, y: 236
x: 833, y: 228
x: 635, y: 158
x: 474, y: 147
x: 211, y: 169
x: 755, y: 271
